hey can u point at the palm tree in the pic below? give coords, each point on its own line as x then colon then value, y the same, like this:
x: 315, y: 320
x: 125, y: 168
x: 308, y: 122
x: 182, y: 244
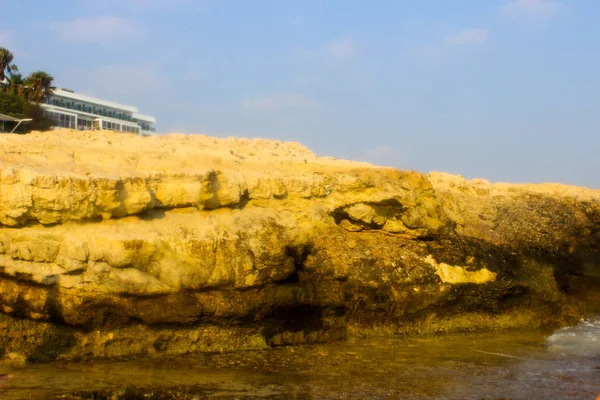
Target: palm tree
x: 16, y: 85
x: 7, y: 68
x: 39, y: 86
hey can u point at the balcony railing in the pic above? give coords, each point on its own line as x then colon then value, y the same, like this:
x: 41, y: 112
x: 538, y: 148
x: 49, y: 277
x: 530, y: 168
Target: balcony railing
x: 92, y: 110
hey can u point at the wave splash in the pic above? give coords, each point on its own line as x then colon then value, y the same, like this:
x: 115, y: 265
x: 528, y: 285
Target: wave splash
x: 581, y: 340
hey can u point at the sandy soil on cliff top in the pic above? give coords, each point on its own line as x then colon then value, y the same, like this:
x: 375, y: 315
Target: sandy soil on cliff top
x: 442, y: 181
x: 106, y: 151
x: 121, y: 153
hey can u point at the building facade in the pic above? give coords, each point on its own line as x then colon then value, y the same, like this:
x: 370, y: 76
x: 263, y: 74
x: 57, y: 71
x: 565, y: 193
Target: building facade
x: 76, y: 111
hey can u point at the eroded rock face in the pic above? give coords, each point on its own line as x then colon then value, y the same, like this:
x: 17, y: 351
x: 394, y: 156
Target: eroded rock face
x: 114, y: 245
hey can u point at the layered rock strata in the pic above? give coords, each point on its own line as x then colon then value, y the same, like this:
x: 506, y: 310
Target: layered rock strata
x: 113, y: 245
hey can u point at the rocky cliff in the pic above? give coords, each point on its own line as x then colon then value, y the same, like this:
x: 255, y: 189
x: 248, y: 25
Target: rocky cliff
x: 114, y: 245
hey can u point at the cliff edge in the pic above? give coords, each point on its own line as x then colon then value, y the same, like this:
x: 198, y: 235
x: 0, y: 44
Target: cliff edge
x: 114, y: 245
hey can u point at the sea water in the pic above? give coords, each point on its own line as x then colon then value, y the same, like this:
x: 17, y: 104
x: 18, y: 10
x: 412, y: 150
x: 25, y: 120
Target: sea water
x: 564, y: 364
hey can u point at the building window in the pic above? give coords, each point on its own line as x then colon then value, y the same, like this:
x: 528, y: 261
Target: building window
x: 131, y: 129
x: 84, y: 124
x: 62, y: 120
x: 111, y: 126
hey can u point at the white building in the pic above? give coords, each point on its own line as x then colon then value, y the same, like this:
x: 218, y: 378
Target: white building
x: 76, y: 111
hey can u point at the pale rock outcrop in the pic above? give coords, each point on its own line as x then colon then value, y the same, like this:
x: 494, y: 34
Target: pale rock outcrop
x: 114, y: 245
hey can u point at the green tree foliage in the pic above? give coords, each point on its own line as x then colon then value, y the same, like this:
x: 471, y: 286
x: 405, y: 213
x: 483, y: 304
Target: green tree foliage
x: 38, y: 86
x: 12, y: 105
x: 20, y: 97
x: 36, y: 113
x: 18, y: 107
x: 16, y: 85
x: 7, y: 68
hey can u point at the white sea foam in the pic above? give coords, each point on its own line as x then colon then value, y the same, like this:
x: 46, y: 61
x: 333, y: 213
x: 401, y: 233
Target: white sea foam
x: 582, y: 339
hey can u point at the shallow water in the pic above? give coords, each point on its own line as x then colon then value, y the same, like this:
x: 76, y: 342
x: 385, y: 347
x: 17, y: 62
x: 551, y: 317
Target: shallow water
x: 515, y: 365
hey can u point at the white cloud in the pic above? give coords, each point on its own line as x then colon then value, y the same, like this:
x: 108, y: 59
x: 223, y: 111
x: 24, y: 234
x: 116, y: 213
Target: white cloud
x: 467, y: 37
x: 340, y: 49
x: 101, y: 30
x: 7, y: 39
x: 382, y: 155
x: 531, y: 10
x: 278, y: 101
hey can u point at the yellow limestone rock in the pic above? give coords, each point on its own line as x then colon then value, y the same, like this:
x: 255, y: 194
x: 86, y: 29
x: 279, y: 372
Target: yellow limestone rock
x: 114, y: 245
x: 456, y: 274
x: 361, y: 212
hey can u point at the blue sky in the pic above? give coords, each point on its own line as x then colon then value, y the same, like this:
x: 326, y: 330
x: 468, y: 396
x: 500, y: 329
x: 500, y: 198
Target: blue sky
x: 506, y: 90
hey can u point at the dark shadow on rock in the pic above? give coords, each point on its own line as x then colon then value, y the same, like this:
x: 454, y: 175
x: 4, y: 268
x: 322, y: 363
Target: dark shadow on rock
x: 57, y: 339
x: 152, y: 214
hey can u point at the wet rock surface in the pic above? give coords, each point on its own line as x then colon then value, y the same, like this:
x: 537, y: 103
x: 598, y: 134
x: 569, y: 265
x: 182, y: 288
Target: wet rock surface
x: 117, y: 246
